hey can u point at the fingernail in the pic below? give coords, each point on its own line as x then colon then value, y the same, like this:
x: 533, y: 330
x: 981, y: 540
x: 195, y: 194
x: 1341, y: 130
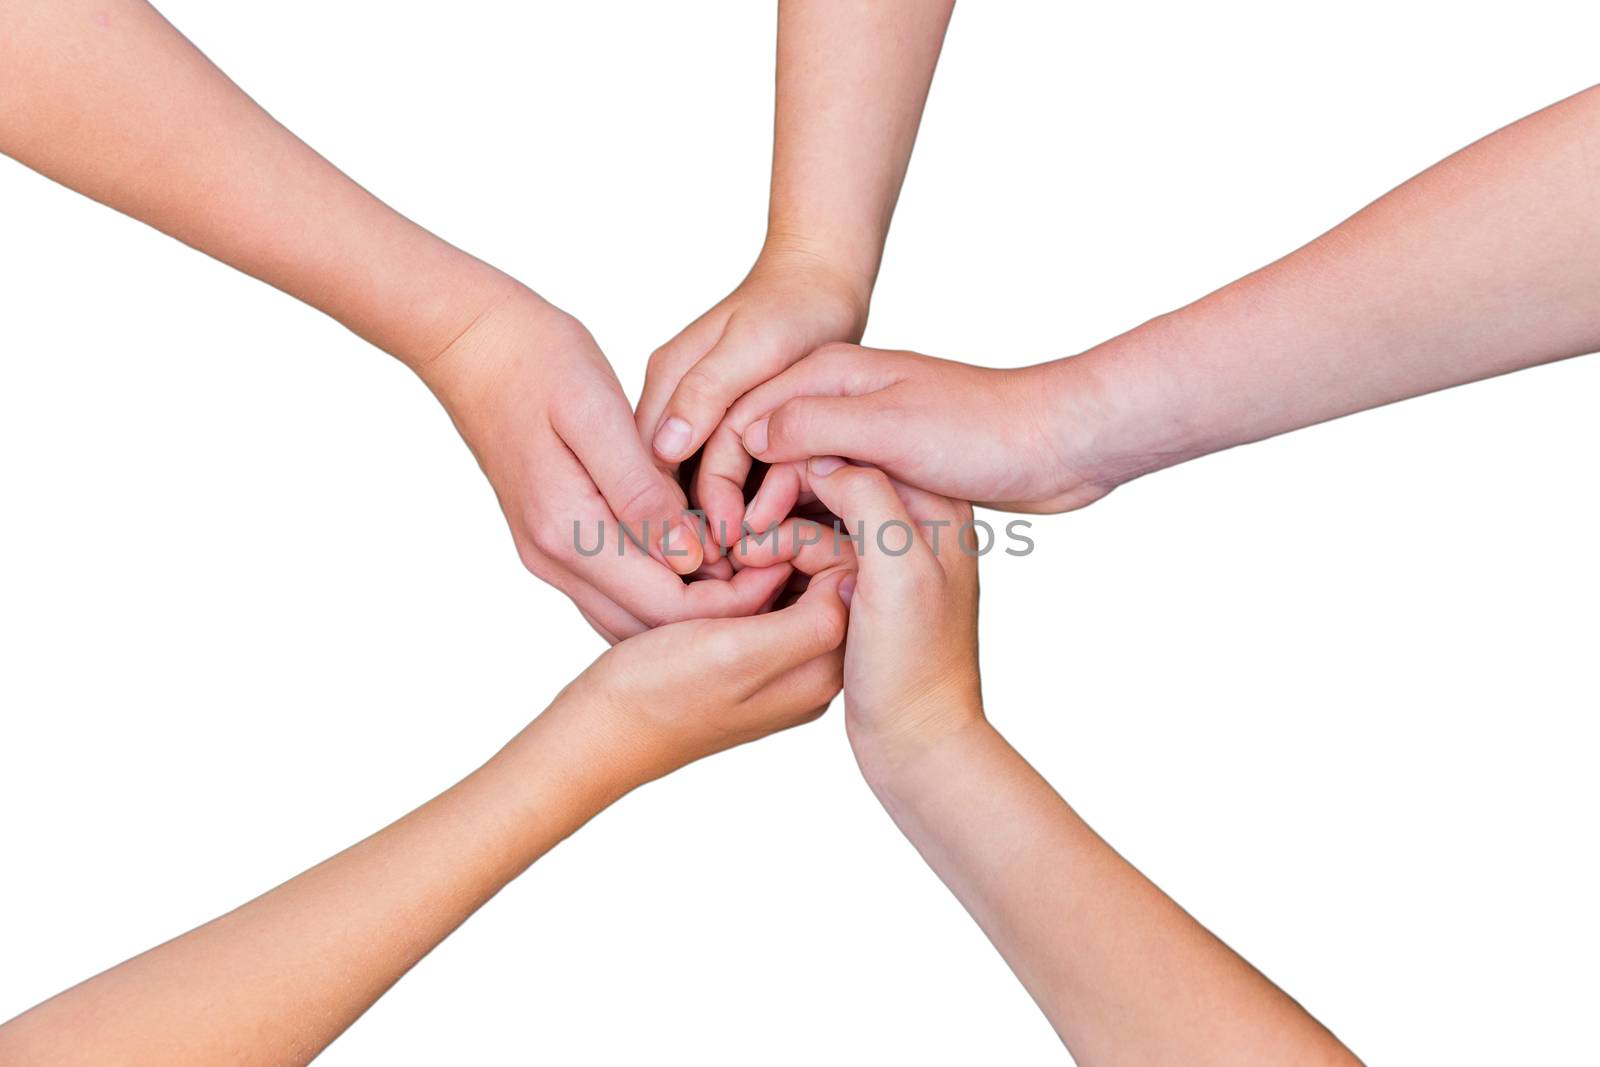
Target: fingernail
x: 681, y: 548
x: 672, y: 440
x: 755, y: 503
x: 822, y: 466
x: 847, y: 588
x: 755, y: 437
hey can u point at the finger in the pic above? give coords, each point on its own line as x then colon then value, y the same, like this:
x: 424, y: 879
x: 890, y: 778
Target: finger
x: 945, y: 524
x: 610, y: 638
x: 750, y: 351
x: 718, y: 568
x: 832, y: 370
x: 872, y: 512
x: 640, y: 495
x: 719, y: 483
x: 667, y: 365
x: 748, y: 592
x: 581, y: 540
x: 786, y: 490
x: 607, y: 618
x: 801, y: 694
x: 777, y: 497
x: 766, y: 647
x: 642, y: 587
x: 860, y: 427
x: 812, y: 547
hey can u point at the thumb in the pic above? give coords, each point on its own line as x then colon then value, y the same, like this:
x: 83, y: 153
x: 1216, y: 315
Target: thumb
x: 782, y: 640
x: 885, y: 536
x: 809, y: 426
x: 644, y: 499
x: 748, y: 353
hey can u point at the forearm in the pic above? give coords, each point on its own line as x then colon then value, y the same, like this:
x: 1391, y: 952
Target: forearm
x: 1483, y: 264
x: 1123, y: 973
x: 853, y: 76
x: 108, y: 99
x: 278, y: 979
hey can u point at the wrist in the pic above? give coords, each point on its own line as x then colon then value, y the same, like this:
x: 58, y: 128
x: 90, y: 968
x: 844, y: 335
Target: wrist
x: 564, y: 768
x: 491, y: 333
x: 423, y: 294
x: 898, y: 761
x: 845, y: 272
x: 887, y: 746
x: 1117, y: 411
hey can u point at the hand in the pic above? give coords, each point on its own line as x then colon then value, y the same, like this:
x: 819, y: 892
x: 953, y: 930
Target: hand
x: 676, y: 694
x: 1061, y: 906
x: 994, y: 436
x: 911, y: 664
x: 277, y: 979
x: 792, y: 301
x: 546, y: 418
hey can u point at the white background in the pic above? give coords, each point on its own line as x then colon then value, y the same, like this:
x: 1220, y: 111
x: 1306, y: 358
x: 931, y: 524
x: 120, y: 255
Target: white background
x: 1334, y: 692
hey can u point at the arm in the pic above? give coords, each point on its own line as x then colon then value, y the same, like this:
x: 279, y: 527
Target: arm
x: 108, y: 99
x: 1486, y: 263
x: 852, y: 80
x: 1124, y: 974
x: 278, y: 979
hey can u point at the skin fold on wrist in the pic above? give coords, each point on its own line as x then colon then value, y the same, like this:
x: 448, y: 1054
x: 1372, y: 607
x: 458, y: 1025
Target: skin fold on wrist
x: 889, y: 752
x: 475, y: 293
x: 1115, y: 412
x: 854, y: 273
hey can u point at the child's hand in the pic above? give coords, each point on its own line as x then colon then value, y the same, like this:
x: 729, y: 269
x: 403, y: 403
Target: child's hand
x: 791, y: 302
x: 911, y: 664
x: 999, y: 437
x: 543, y: 412
x: 675, y: 694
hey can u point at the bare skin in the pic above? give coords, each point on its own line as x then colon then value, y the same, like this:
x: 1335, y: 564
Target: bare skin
x: 853, y: 78
x: 1124, y: 974
x: 87, y: 97
x: 1486, y: 263
x: 275, y: 981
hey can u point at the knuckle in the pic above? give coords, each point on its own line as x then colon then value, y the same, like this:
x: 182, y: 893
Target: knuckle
x: 787, y: 425
x: 829, y: 626
x: 640, y: 494
x: 653, y: 617
x: 534, y: 559
x: 661, y: 360
x: 700, y: 387
x: 548, y: 540
x: 724, y: 652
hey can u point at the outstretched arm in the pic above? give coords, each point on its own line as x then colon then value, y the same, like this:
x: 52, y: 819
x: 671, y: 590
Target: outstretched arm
x: 107, y: 98
x: 1124, y: 974
x: 853, y: 76
x: 1486, y: 263
x: 278, y: 979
